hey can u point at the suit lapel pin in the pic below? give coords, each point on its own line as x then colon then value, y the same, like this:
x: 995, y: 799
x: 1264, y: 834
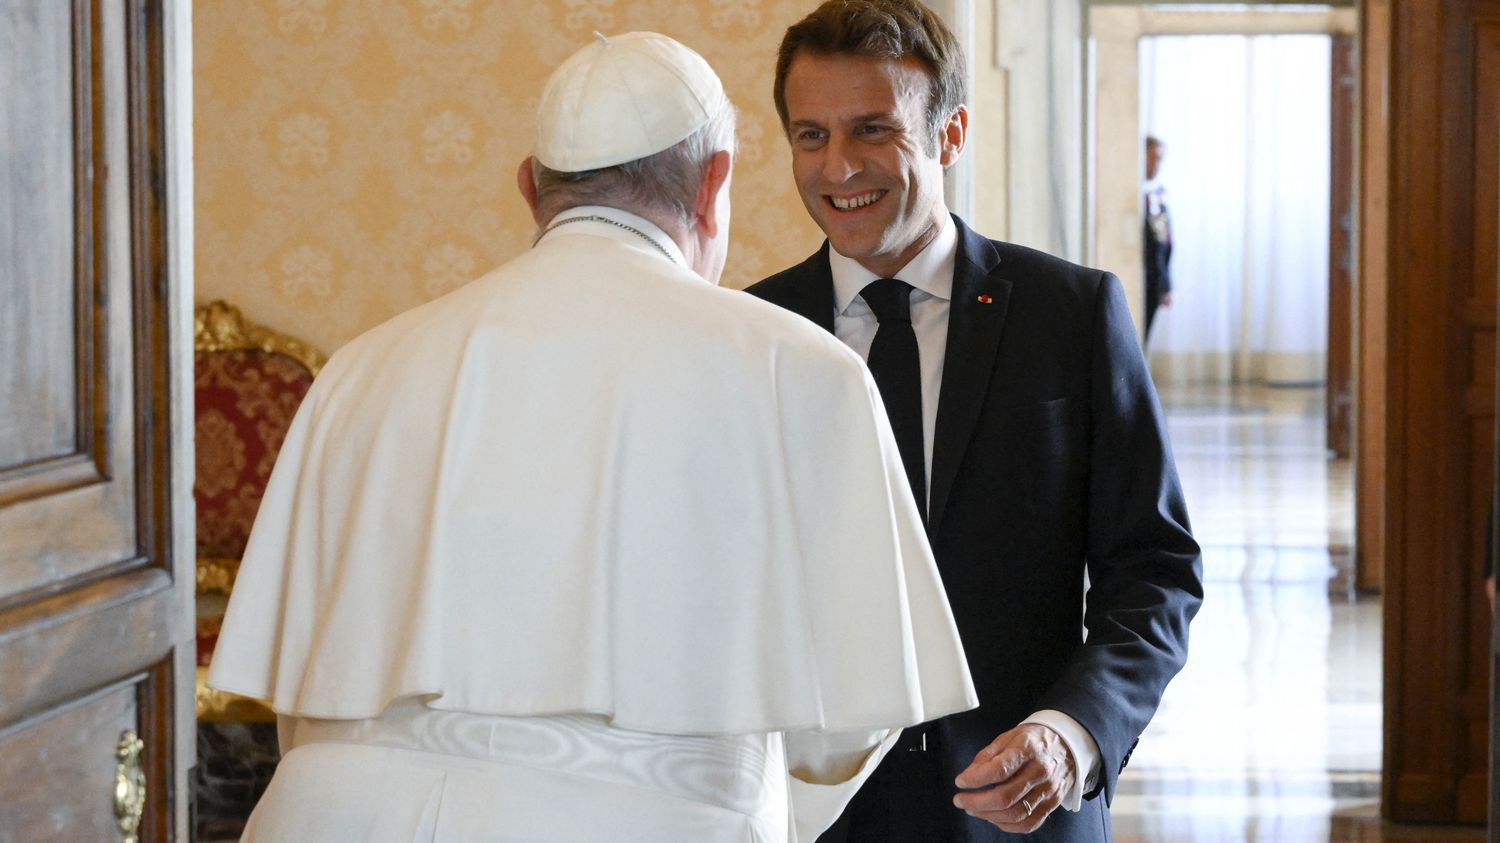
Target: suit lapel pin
x: 983, y: 299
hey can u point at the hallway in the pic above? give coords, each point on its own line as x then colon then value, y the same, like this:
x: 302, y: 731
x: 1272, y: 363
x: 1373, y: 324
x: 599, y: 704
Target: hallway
x: 1273, y: 730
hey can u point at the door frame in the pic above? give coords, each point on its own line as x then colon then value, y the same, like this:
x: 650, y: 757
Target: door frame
x: 177, y: 164
x: 1112, y: 83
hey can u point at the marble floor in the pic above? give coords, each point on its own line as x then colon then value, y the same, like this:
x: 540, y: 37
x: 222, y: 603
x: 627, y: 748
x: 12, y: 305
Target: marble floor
x: 1272, y: 730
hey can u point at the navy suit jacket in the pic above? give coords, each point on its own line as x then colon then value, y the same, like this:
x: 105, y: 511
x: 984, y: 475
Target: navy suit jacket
x: 1050, y: 459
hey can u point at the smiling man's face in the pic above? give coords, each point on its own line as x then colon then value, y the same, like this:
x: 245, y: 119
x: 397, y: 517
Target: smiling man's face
x: 865, y: 163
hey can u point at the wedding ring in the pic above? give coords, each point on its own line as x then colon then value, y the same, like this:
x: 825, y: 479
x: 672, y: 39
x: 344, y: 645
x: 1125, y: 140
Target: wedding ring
x: 1029, y: 807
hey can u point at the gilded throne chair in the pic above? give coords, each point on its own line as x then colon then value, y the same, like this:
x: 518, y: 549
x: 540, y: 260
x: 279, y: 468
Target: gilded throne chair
x: 248, y: 382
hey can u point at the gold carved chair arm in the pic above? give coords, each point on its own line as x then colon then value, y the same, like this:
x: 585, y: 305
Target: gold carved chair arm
x: 216, y: 575
x: 219, y: 326
x: 214, y: 705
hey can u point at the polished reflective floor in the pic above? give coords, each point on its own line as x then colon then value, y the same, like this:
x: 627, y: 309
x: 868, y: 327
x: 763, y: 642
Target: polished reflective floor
x: 1272, y: 731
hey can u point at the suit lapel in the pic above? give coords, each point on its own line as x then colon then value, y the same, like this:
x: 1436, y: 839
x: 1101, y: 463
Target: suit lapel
x: 976, y: 317
x: 812, y: 295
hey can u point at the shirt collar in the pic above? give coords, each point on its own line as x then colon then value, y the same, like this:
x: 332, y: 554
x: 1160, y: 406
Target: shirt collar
x: 648, y: 229
x: 930, y: 271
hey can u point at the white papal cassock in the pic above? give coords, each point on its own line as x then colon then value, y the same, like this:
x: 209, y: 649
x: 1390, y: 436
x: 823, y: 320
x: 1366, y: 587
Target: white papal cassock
x: 588, y: 549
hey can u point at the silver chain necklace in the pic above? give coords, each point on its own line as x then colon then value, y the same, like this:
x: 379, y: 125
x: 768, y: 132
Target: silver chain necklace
x: 617, y: 224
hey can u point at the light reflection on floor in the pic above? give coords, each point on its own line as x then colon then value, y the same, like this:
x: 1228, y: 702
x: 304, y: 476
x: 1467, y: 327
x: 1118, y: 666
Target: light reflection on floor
x: 1272, y: 731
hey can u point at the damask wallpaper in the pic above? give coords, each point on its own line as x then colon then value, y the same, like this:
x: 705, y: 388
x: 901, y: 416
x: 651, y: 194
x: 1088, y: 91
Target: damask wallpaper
x: 355, y: 158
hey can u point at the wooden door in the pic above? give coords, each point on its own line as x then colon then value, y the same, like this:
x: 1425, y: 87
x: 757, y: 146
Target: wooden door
x: 1492, y: 537
x: 1443, y: 224
x: 95, y: 633
x: 1340, y: 394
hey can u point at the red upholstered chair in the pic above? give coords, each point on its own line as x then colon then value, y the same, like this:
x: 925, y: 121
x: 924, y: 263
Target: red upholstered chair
x: 248, y: 382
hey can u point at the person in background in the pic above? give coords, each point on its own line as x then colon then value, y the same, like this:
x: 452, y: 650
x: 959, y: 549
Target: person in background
x: 590, y: 548
x: 1030, y: 433
x: 1158, y: 236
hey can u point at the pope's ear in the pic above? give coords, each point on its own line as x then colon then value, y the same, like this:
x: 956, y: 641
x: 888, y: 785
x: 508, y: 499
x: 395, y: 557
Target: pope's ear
x: 715, y: 179
x: 526, y: 183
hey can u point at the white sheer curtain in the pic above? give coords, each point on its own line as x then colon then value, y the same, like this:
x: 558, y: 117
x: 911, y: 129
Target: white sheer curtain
x: 1246, y: 125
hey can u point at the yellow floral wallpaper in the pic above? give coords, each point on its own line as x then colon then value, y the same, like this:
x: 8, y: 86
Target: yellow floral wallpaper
x: 355, y: 158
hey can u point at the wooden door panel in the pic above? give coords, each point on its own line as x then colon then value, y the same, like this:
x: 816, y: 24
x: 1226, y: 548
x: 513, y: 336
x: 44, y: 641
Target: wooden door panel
x: 1481, y: 290
x: 68, y: 521
x: 37, y: 190
x: 95, y: 551
x: 1478, y: 323
x: 67, y: 452
x: 57, y: 648
x: 70, y: 751
x: 1372, y: 523
x: 1444, y: 223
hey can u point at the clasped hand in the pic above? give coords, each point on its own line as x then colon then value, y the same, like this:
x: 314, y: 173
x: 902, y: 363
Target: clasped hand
x: 1028, y: 765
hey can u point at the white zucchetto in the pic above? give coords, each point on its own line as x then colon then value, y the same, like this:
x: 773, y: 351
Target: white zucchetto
x: 621, y: 99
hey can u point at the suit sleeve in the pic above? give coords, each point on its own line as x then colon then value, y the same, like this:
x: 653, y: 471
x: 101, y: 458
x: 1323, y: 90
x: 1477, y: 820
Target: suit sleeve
x: 1145, y: 569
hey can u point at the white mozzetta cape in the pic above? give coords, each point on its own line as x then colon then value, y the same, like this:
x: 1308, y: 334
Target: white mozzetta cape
x: 591, y: 482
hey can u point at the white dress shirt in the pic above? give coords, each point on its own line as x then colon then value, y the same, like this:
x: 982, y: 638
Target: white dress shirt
x: 930, y: 273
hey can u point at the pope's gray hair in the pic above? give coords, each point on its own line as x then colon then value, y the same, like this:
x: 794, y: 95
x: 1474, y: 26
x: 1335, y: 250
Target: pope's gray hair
x: 663, y: 184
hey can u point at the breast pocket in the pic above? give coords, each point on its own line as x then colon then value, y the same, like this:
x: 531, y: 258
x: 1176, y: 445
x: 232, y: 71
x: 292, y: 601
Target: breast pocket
x: 1050, y: 440
x: 1043, y: 415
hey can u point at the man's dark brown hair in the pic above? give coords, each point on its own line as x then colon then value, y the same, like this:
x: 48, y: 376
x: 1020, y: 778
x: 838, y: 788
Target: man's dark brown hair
x: 882, y: 29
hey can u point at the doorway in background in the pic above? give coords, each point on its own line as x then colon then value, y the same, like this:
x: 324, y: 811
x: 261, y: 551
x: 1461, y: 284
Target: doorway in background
x: 1273, y: 730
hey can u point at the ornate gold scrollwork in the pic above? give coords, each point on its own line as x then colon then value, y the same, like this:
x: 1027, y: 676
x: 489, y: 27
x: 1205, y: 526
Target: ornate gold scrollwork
x: 222, y: 706
x: 219, y: 326
x: 130, y: 786
x: 216, y: 575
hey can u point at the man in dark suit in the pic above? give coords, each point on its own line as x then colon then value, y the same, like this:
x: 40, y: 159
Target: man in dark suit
x: 1029, y: 428
x: 1158, y: 236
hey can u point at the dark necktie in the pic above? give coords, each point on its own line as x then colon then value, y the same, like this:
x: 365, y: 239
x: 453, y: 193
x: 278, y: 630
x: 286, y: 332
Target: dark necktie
x: 897, y: 369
